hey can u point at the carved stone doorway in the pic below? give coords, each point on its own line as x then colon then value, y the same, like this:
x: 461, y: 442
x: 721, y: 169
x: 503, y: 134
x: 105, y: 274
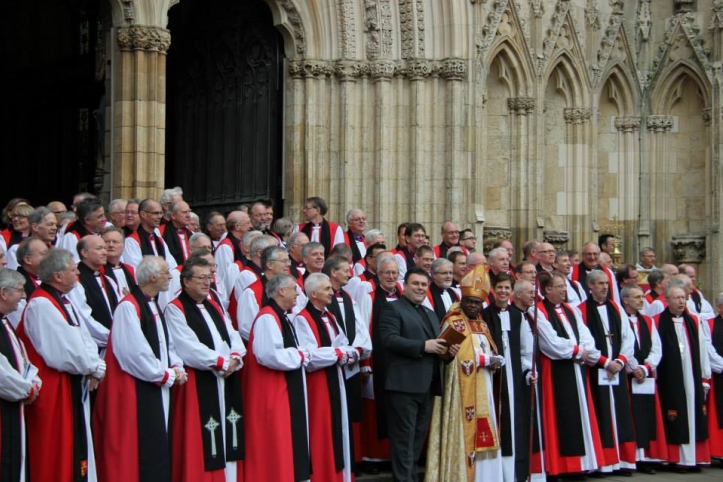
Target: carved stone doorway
x: 224, y: 96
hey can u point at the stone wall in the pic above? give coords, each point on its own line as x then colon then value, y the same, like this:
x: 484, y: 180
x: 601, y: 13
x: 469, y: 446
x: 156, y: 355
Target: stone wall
x: 522, y: 119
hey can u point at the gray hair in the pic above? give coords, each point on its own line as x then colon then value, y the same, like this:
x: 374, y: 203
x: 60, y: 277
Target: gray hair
x: 282, y: 226
x: 292, y: 241
x: 166, y: 195
x: 195, y: 237
x: 674, y: 284
x: 309, y: 247
x: 387, y: 259
x: 314, y: 282
x: 37, y: 216
x: 374, y: 233
x: 496, y: 252
x: 522, y: 285
x: 719, y: 299
x: 177, y: 205
x: 276, y: 283
x: 149, y: 266
x: 54, y: 261
x: 69, y: 216
x: 268, y: 254
x: 625, y: 292
x: 115, y: 203
x: 350, y: 213
x: 250, y: 236
x: 439, y: 263
x: 9, y: 279
x: 647, y: 249
x: 260, y: 243
x: 595, y: 275
x: 24, y: 248
x: 655, y: 277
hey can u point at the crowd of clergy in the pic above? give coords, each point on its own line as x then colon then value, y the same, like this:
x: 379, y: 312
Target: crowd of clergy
x: 139, y: 343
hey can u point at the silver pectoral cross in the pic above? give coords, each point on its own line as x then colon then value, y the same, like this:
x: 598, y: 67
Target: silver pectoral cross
x: 212, y: 425
x: 233, y: 418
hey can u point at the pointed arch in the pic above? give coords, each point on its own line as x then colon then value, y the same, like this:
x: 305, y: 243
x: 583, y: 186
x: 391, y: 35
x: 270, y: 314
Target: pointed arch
x: 571, y: 79
x: 519, y: 77
x: 666, y: 91
x: 627, y: 92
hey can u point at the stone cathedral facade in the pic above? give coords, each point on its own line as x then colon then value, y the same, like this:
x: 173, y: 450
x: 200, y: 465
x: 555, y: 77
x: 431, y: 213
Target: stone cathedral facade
x: 549, y: 119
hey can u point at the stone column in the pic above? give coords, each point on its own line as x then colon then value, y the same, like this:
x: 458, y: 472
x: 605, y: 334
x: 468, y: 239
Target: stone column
x: 653, y: 225
x: 420, y: 138
x: 385, y: 187
x: 139, y: 111
x: 454, y: 71
x: 350, y: 185
x: 628, y: 175
x: 578, y: 179
x: 522, y: 179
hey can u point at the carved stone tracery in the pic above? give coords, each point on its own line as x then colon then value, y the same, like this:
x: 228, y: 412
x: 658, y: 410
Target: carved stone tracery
x: 577, y: 115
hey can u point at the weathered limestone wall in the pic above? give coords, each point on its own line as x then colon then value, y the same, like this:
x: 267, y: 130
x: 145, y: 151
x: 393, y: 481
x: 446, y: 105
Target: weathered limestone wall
x: 552, y: 119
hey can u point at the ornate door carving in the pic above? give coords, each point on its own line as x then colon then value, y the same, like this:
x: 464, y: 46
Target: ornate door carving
x: 224, y: 95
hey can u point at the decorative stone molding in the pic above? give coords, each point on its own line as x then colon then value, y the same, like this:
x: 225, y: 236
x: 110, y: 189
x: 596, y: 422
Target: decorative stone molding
x: 348, y: 70
x: 382, y: 70
x: 490, y: 29
x: 684, y: 5
x: 347, y: 32
x: 645, y: 20
x: 659, y: 123
x: 592, y: 15
x: 683, y: 27
x: 129, y: 11
x: 297, y: 28
x: 688, y: 249
x: 418, y: 69
x: 553, y: 34
x: 308, y: 68
x: 538, y: 8
x: 627, y: 124
x: 151, y: 39
x: 421, y: 47
x: 378, y: 15
x: 608, y: 42
x: 521, y: 105
x: 707, y: 114
x: 577, y: 115
x: 494, y: 234
x: 716, y: 21
x: 556, y: 238
x: 406, y: 27
x: 454, y: 69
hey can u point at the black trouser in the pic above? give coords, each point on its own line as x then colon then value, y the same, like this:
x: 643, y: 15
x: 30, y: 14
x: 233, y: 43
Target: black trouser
x: 408, y: 417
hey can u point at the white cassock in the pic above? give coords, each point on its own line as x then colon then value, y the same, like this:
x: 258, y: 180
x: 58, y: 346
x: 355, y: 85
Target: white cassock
x: 135, y: 355
x: 174, y: 288
x: 558, y: 348
x: 626, y: 350
x: 575, y: 293
x: 652, y: 360
x: 224, y: 258
x: 69, y: 241
x: 325, y: 356
x: 248, y: 308
x: 362, y: 340
x: 65, y: 348
x: 244, y: 279
x: 200, y: 357
x: 16, y: 383
x: 132, y: 254
x: 124, y: 283
x: 11, y: 257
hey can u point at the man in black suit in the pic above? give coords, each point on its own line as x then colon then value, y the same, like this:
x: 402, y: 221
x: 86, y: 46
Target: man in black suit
x: 410, y: 338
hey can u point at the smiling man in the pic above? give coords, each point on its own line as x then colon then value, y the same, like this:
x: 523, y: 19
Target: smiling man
x: 147, y: 239
x: 409, y: 334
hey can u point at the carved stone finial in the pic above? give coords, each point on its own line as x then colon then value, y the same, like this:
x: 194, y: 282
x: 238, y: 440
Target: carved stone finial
x: 645, y: 20
x: 688, y: 249
x: 684, y: 6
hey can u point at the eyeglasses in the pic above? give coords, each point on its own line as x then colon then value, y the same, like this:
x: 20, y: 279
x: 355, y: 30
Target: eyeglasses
x: 203, y: 279
x: 557, y: 287
x: 452, y: 232
x: 356, y: 220
x: 20, y: 289
x: 154, y: 213
x: 131, y: 212
x: 473, y: 238
x: 17, y: 216
x: 445, y: 273
x: 389, y: 273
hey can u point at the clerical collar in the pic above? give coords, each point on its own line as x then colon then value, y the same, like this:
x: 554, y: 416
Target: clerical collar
x: 389, y: 293
x: 500, y: 310
x: 599, y: 303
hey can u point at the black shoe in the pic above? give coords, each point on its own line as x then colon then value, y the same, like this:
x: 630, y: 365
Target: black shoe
x: 623, y: 472
x: 679, y: 469
x: 371, y: 468
x: 645, y: 468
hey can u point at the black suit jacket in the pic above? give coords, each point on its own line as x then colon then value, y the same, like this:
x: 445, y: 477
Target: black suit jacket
x: 403, y: 332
